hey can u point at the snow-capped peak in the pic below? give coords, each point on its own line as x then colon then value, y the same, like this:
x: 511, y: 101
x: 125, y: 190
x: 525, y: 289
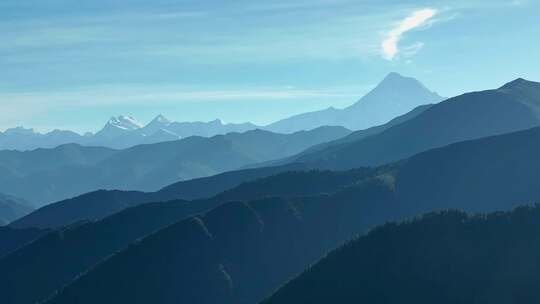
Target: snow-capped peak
x: 160, y: 122
x: 124, y: 123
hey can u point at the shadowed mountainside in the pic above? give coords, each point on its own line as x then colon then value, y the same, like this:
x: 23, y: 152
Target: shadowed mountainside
x: 446, y: 257
x: 240, y: 252
x: 513, y: 107
x: 64, y: 254
x: 105, y: 202
x: 99, y: 204
x: 394, y: 96
x: 12, y: 239
x: 44, y: 176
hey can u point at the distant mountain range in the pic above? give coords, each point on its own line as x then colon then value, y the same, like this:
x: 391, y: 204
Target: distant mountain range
x: 473, y: 115
x: 394, y: 96
x: 119, y: 133
x: 236, y: 237
x: 446, y: 257
x: 12, y: 208
x: 117, y: 231
x: 241, y: 251
x: 99, y: 204
x: 43, y: 176
x: 512, y: 107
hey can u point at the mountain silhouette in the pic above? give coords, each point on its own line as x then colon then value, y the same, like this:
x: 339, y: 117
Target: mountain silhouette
x: 12, y: 239
x: 513, y: 107
x: 120, y: 132
x: 46, y: 175
x: 472, y: 115
x: 242, y: 251
x: 23, y: 139
x: 99, y: 204
x: 74, y: 243
x: 446, y: 257
x: 394, y: 96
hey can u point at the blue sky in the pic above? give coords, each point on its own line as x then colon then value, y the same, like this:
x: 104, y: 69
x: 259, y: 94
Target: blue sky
x: 73, y: 64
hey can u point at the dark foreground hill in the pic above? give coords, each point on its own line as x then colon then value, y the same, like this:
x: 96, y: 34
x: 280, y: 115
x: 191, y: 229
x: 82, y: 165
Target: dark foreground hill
x: 62, y: 255
x: 11, y: 239
x: 233, y: 254
x: 241, y: 252
x: 446, y: 257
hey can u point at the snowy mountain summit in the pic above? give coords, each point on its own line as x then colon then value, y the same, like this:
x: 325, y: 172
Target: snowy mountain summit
x: 124, y: 123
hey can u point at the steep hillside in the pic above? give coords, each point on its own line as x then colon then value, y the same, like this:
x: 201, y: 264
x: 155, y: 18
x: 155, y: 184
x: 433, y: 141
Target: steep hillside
x: 12, y: 239
x: 394, y: 96
x: 446, y: 257
x: 45, y: 176
x: 243, y: 251
x: 351, y: 138
x: 99, y: 204
x: 510, y: 108
x: 228, y: 255
x: 64, y: 254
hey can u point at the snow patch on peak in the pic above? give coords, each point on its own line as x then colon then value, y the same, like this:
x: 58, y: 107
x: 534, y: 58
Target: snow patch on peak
x: 125, y: 123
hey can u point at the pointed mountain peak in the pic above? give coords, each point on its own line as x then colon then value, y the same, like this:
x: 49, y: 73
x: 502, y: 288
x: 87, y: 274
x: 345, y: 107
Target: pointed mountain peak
x: 161, y: 120
x: 394, y: 96
x: 394, y: 79
x: 519, y: 82
x: 395, y: 83
x: 124, y: 122
x: 394, y: 75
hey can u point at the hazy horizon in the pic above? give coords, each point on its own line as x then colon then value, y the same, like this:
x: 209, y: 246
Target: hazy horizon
x: 73, y: 66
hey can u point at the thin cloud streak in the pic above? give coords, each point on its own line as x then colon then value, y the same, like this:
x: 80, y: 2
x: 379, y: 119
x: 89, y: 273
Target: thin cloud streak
x: 97, y: 96
x: 416, y: 19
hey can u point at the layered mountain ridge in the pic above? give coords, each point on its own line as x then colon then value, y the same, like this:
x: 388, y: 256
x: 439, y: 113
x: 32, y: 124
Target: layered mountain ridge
x: 12, y: 208
x: 445, y: 257
x: 261, y: 227
x: 44, y: 176
x: 242, y: 251
x: 394, y: 96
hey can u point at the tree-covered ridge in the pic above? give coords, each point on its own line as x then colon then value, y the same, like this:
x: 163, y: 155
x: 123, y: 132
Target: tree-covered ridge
x: 460, y: 176
x: 235, y: 253
x: 64, y: 254
x: 443, y: 257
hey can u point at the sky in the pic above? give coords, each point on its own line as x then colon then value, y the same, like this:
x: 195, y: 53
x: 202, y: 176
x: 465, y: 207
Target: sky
x: 73, y: 64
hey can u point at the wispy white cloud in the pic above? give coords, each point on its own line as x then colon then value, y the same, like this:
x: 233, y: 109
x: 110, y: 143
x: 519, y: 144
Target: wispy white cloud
x: 417, y: 19
x: 29, y: 108
x: 144, y: 95
x: 229, y: 38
